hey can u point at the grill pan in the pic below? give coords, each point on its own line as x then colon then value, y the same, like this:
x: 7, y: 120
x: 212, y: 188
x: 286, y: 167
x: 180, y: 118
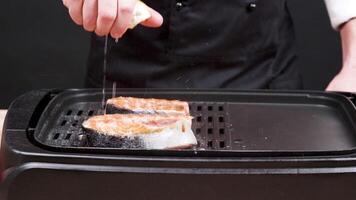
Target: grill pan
x: 252, y: 145
x: 225, y: 123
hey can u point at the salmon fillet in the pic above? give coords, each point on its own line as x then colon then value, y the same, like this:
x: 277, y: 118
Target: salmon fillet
x: 147, y: 131
x: 148, y: 106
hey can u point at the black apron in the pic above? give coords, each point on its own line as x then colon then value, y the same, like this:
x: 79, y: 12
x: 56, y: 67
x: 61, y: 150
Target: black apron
x: 240, y: 44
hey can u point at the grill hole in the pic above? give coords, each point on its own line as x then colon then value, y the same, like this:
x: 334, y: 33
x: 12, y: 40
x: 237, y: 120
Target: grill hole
x: 80, y: 112
x: 221, y: 119
x: 222, y: 131
x: 221, y: 108
x: 210, y: 119
x: 75, y: 123
x: 210, y: 108
x: 210, y: 131
x: 222, y: 144
x: 68, y: 136
x: 63, y: 122
x: 56, y: 136
x: 199, y: 119
x: 91, y: 113
x: 198, y: 131
x: 210, y: 144
x: 69, y: 112
x: 198, y: 108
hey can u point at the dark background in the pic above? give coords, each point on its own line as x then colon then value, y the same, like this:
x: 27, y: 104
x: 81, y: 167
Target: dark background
x: 42, y: 48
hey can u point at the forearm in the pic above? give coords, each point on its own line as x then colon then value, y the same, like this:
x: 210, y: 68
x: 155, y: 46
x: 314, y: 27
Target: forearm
x: 348, y: 38
x: 346, y: 79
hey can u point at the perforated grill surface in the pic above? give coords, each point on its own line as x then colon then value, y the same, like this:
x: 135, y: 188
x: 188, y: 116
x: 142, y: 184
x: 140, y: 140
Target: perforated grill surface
x: 209, y: 125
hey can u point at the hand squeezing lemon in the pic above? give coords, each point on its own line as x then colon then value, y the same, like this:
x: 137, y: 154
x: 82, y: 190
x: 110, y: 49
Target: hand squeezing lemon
x: 112, y: 17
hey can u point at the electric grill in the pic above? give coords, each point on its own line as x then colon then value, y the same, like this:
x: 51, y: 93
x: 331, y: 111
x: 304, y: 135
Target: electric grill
x: 252, y: 145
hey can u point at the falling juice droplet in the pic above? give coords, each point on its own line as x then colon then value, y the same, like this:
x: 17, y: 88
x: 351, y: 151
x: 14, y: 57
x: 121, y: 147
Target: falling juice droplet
x: 114, y: 89
x: 104, y: 73
x: 237, y: 141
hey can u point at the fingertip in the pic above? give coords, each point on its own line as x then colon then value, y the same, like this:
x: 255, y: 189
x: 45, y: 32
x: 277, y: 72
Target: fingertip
x: 99, y: 32
x: 155, y: 21
x: 78, y: 21
x: 89, y: 24
x: 90, y: 14
x: 89, y: 28
x: 158, y: 20
x: 115, y: 35
x: 77, y: 18
x: 64, y: 3
x: 118, y: 32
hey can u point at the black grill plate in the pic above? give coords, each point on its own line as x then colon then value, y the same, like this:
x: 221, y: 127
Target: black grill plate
x: 228, y: 122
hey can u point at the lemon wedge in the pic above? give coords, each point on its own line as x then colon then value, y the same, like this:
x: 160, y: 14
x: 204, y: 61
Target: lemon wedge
x: 140, y: 14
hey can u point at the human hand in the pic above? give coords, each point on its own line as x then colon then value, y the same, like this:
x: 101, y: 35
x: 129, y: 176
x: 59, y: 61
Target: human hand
x: 345, y: 81
x: 112, y: 17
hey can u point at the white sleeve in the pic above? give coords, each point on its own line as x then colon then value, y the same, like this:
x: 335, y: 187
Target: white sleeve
x: 341, y: 11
